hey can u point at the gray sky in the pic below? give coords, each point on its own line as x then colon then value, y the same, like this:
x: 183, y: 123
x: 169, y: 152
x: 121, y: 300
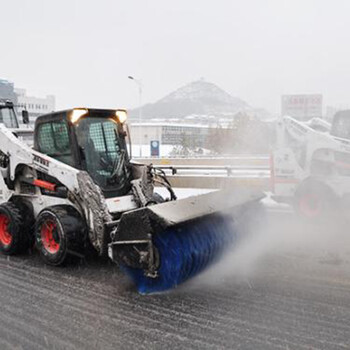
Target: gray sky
x: 82, y: 51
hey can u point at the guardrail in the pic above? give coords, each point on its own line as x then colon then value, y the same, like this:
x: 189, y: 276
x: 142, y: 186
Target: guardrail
x: 213, y: 173
x: 240, y: 160
x: 213, y: 177
x: 229, y: 170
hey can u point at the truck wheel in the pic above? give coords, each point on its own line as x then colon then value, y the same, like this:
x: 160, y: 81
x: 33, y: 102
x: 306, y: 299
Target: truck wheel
x: 60, y: 235
x: 12, y: 237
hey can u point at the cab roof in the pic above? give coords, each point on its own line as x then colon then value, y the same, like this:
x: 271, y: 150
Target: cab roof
x: 66, y: 112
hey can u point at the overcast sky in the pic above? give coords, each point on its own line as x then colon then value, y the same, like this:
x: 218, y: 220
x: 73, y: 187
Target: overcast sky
x: 82, y: 51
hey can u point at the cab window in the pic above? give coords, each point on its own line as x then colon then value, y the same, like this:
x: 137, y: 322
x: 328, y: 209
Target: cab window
x: 8, y: 117
x: 53, y: 140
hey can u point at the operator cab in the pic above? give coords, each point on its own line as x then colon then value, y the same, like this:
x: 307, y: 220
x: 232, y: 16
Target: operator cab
x: 88, y: 139
x: 341, y: 125
x: 7, y: 115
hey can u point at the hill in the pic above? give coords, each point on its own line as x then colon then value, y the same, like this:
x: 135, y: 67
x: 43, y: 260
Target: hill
x: 199, y: 98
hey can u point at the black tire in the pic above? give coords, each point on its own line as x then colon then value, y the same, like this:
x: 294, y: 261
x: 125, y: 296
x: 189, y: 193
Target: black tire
x: 315, y: 202
x: 13, y: 239
x: 60, y: 235
x: 28, y: 220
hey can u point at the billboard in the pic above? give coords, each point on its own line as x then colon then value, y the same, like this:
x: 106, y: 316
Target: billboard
x: 302, y: 107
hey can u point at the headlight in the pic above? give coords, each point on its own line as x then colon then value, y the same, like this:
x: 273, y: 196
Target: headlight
x: 77, y: 114
x: 122, y: 115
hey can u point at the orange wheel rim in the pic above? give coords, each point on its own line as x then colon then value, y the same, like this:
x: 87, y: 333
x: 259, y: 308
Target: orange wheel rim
x: 49, y: 237
x: 5, y: 235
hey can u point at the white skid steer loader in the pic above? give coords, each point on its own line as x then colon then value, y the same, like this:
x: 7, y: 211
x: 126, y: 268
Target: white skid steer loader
x: 311, y: 165
x: 78, y: 188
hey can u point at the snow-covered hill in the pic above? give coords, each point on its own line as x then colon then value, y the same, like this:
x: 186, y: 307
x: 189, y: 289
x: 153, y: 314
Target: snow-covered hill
x: 199, y: 98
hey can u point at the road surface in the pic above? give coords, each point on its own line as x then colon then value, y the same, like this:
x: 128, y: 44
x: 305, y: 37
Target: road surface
x: 279, y: 295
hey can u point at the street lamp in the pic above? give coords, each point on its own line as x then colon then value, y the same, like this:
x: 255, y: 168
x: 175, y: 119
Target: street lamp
x: 139, y: 84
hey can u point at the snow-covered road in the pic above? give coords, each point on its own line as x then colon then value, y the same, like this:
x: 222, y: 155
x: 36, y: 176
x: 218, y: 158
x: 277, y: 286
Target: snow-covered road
x: 266, y: 296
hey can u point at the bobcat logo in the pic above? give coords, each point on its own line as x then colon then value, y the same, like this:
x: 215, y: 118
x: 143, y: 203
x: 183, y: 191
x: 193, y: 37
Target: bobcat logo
x: 41, y: 162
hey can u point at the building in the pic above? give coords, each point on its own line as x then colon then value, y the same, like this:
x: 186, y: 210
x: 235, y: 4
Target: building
x: 7, y: 91
x: 34, y: 105
x: 302, y: 107
x: 169, y: 134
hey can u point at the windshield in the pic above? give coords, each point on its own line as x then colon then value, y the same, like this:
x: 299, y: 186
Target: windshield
x: 341, y: 127
x: 103, y: 152
x: 8, y: 117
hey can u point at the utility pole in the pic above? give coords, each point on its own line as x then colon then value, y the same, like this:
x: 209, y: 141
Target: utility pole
x: 139, y: 84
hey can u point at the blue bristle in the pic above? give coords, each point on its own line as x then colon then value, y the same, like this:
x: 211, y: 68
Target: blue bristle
x: 185, y: 252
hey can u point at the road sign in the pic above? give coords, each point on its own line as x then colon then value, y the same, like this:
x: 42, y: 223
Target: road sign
x: 154, y: 148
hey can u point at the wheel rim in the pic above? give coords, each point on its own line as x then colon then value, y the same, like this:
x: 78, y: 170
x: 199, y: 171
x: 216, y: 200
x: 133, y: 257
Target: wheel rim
x: 310, y: 205
x: 49, y: 237
x: 5, y: 235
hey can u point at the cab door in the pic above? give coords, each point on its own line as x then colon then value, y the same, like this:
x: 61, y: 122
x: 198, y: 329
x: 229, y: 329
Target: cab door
x: 52, y: 137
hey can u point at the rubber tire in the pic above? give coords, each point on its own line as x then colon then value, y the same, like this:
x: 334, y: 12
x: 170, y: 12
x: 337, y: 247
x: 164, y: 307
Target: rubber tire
x: 71, y: 230
x: 19, y: 241
x: 327, y: 201
x: 28, y: 222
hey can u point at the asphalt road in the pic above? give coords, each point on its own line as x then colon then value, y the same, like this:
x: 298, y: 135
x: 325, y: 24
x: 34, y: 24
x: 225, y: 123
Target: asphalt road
x: 273, y: 293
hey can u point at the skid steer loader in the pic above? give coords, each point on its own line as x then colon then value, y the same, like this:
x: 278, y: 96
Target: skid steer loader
x: 8, y: 117
x: 311, y: 165
x: 79, y: 189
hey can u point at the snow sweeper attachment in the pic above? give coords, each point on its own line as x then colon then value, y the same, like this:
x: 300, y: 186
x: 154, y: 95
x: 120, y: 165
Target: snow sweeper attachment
x: 163, y: 245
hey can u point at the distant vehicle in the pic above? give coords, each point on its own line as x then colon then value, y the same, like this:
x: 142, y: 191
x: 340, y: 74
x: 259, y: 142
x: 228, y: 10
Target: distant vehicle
x: 311, y: 166
x: 8, y: 117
